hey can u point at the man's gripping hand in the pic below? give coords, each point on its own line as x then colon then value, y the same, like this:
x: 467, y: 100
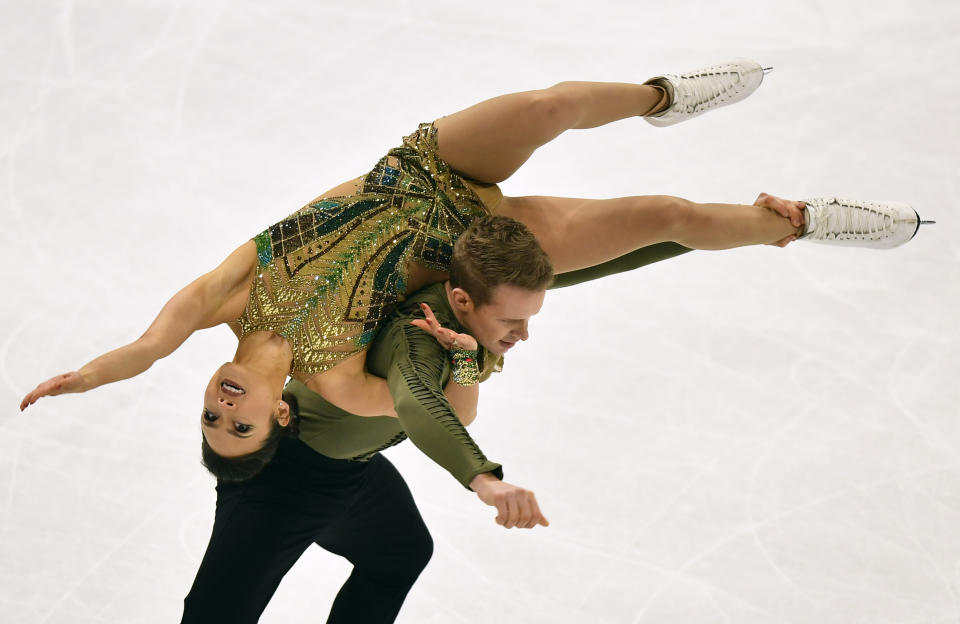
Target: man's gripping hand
x: 516, y: 507
x: 787, y: 209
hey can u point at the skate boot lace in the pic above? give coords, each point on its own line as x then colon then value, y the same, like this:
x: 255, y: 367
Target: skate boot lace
x: 708, y: 89
x: 848, y: 220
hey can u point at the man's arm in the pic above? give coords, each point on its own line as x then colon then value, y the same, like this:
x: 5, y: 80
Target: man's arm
x: 415, y: 366
x: 464, y: 401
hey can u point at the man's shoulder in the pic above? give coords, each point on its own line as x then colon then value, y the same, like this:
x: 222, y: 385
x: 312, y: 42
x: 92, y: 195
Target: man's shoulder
x: 434, y: 296
x: 396, y: 336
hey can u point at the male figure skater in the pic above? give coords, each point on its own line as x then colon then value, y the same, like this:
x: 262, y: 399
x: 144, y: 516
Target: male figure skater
x: 331, y: 486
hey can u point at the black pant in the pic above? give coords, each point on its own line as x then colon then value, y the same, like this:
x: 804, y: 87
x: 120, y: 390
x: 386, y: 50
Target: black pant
x: 361, y: 511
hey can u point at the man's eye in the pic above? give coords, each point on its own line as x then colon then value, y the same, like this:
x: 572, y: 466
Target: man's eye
x: 242, y: 428
x: 209, y: 416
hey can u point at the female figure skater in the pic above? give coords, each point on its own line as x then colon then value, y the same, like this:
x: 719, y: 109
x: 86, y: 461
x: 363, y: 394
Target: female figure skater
x: 305, y: 296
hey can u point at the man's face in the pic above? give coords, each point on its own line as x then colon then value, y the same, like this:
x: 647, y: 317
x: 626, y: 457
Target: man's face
x: 502, y: 321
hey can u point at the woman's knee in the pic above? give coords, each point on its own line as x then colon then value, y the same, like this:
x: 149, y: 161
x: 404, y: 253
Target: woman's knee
x: 557, y: 108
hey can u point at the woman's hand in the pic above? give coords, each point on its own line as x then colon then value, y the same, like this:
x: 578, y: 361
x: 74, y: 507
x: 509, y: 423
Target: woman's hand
x: 447, y: 338
x: 61, y: 384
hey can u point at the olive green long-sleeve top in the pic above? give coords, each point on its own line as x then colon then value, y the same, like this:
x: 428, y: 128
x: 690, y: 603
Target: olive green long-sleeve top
x: 416, y: 368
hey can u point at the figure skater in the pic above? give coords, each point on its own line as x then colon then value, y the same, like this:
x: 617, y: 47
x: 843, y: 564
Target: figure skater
x: 306, y: 296
x: 329, y: 484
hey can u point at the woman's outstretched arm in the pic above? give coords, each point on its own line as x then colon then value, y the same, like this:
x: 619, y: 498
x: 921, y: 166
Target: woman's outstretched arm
x: 209, y: 300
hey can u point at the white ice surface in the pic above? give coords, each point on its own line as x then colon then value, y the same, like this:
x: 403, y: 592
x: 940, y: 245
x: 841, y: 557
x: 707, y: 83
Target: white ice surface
x: 753, y: 436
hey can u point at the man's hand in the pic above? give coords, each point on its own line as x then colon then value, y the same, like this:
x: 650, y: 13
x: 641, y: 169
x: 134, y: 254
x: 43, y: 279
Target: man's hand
x: 447, y: 338
x: 61, y: 384
x: 516, y: 507
x: 792, y: 210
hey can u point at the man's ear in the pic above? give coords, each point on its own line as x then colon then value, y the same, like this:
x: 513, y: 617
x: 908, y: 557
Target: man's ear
x: 283, y: 413
x: 461, y: 300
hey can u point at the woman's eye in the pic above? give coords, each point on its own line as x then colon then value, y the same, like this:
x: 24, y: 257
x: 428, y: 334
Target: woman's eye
x: 241, y: 428
x: 209, y: 416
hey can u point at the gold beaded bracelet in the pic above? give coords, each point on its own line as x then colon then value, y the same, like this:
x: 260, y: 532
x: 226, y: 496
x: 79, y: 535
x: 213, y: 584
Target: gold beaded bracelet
x: 465, y: 369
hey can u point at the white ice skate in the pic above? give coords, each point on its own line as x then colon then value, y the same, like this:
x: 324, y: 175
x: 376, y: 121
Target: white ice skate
x: 700, y: 90
x: 857, y: 223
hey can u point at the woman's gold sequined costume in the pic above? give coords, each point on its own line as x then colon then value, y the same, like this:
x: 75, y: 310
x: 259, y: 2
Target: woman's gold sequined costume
x: 333, y: 270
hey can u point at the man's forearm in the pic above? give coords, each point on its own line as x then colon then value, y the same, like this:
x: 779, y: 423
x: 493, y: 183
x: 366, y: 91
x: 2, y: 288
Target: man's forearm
x: 478, y: 482
x: 463, y: 400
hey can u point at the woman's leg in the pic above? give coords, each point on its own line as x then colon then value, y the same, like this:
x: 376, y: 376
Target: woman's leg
x: 580, y: 233
x: 490, y: 140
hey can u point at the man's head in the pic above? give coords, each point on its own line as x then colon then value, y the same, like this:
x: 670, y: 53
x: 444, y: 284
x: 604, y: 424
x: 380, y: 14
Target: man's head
x: 498, y: 278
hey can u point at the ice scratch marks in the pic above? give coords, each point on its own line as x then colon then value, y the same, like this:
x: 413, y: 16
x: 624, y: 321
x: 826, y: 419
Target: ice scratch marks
x: 933, y: 438
x: 190, y: 66
x: 66, y: 37
x: 109, y: 553
x: 930, y: 559
x: 14, y: 422
x: 772, y: 446
x: 772, y: 519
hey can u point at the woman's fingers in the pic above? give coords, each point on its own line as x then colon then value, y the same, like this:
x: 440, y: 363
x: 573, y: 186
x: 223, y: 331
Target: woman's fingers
x: 67, y: 382
x: 27, y: 400
x: 43, y: 389
x: 39, y: 391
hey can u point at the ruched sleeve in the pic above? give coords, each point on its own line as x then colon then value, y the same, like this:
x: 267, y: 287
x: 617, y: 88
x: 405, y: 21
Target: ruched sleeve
x: 416, y: 368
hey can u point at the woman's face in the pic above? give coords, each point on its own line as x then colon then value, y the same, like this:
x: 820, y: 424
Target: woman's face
x: 238, y: 410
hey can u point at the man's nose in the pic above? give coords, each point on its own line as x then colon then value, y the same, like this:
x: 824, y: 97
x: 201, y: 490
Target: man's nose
x: 524, y: 334
x: 224, y: 401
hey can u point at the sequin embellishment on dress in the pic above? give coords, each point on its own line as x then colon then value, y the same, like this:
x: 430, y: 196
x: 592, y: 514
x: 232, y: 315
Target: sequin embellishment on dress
x: 332, y: 271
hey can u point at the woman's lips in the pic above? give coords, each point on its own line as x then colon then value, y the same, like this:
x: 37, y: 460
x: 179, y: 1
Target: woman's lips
x: 231, y: 388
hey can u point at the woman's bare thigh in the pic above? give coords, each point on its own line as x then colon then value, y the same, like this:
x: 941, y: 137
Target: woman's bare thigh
x: 579, y: 233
